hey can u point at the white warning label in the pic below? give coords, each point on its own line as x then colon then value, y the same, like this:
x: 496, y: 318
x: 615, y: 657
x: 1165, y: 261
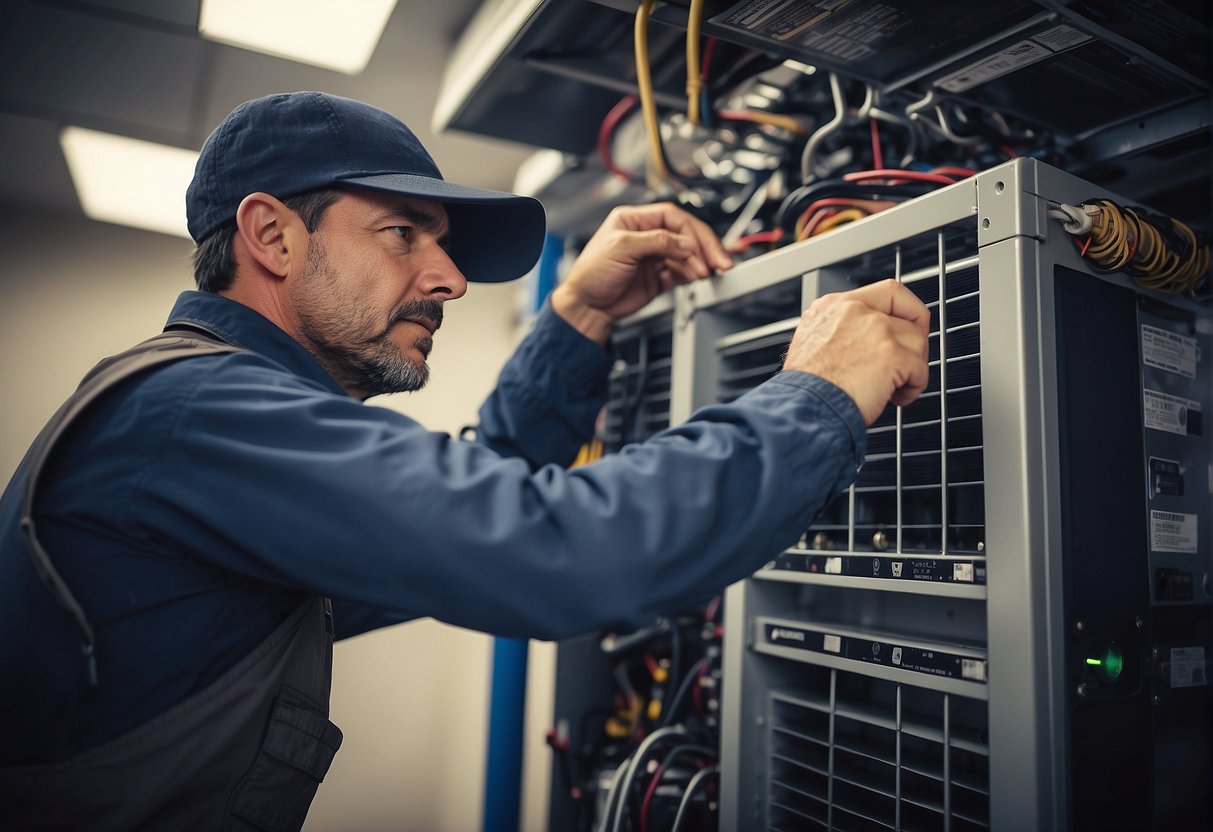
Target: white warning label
x: 1169, y: 413
x: 1188, y: 667
x: 1173, y: 532
x: 1060, y: 38
x: 994, y: 66
x: 846, y: 30
x: 1169, y: 351
x: 1040, y: 46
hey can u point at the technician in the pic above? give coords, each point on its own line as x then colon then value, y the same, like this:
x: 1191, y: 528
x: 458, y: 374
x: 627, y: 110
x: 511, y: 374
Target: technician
x: 179, y: 549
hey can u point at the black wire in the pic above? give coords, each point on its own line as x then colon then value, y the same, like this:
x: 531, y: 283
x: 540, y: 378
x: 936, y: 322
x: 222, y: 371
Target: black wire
x: 663, y: 767
x: 675, y: 650
x: 633, y: 408
x: 797, y: 200
x: 685, y: 804
x: 691, y: 677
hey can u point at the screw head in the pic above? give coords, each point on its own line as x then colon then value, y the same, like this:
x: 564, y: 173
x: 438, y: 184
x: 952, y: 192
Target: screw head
x: 1082, y: 689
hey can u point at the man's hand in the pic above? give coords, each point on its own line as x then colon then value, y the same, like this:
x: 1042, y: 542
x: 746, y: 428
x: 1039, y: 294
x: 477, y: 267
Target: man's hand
x: 637, y: 253
x: 871, y: 342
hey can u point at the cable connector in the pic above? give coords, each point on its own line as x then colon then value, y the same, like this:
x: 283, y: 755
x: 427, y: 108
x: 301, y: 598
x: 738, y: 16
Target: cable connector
x: 1074, y: 219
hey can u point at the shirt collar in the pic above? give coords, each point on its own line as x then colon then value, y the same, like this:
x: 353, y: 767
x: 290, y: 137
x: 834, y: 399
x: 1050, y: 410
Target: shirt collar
x: 243, y: 327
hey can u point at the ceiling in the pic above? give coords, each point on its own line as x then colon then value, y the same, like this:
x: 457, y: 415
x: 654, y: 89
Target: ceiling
x: 139, y: 68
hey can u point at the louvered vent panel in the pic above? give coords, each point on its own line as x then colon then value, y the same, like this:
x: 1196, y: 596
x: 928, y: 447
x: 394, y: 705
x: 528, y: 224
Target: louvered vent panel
x: 638, y: 399
x: 850, y: 752
x: 745, y: 365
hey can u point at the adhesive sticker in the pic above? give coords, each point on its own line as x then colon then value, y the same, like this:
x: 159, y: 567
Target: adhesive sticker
x: 973, y: 669
x: 1173, y: 532
x: 1060, y: 38
x: 1188, y: 667
x: 962, y: 572
x: 1169, y: 351
x: 846, y: 30
x: 1169, y: 413
x: 831, y: 644
x: 994, y: 66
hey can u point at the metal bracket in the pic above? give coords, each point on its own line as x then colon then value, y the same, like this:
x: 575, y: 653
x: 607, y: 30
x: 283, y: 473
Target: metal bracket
x: 1000, y: 215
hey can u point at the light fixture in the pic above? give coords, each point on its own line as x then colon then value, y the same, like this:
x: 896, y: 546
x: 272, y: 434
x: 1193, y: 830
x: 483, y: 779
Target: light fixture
x: 339, y: 36
x: 128, y: 181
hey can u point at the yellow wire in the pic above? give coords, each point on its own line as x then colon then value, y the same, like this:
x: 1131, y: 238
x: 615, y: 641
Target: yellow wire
x: 775, y: 120
x: 589, y: 452
x: 844, y: 216
x: 1123, y: 239
x: 657, y: 173
x: 694, y: 79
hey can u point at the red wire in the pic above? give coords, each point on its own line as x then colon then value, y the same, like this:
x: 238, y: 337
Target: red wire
x: 696, y: 694
x: 817, y: 220
x: 706, y: 62
x: 952, y: 171
x: 911, y: 175
x: 648, y: 797
x: 846, y: 202
x: 772, y: 236
x: 877, y: 159
x: 607, y: 130
x: 1011, y: 154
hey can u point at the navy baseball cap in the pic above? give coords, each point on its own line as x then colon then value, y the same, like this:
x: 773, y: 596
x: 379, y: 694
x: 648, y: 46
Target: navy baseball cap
x: 291, y: 143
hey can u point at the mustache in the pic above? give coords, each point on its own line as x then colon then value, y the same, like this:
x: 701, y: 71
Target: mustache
x: 431, y: 310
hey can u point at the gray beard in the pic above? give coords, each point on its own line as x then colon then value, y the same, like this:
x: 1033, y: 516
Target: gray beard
x: 374, y: 365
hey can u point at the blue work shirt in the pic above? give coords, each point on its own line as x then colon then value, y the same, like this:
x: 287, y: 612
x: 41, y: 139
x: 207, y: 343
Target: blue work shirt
x: 195, y: 506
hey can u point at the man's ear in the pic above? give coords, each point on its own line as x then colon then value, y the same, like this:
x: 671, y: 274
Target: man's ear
x: 272, y: 234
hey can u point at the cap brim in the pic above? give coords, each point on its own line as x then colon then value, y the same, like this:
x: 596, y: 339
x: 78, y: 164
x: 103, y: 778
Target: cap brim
x: 494, y: 237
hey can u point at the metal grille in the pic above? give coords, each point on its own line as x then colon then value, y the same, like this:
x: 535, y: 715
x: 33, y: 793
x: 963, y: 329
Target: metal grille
x: 853, y: 753
x: 922, y: 486
x: 921, y: 489
x: 638, y: 398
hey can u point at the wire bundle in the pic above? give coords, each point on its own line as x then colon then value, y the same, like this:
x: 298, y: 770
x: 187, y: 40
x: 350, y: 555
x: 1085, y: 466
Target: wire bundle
x: 1160, y: 253
x: 814, y: 209
x: 628, y: 775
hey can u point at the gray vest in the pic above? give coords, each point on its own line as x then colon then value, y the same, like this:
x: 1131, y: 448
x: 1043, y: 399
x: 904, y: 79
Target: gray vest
x: 246, y: 752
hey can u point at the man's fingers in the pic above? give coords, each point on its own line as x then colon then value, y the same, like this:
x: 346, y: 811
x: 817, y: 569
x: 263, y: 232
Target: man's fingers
x: 668, y: 216
x: 678, y: 251
x: 710, y: 247
x: 894, y: 299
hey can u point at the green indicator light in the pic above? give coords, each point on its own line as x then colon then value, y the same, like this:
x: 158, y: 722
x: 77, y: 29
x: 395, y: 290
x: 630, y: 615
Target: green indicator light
x: 1109, y: 664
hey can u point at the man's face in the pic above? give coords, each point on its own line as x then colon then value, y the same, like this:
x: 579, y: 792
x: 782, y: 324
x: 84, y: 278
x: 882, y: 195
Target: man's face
x: 370, y: 296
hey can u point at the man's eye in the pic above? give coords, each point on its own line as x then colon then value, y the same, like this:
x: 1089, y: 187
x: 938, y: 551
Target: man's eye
x: 403, y: 231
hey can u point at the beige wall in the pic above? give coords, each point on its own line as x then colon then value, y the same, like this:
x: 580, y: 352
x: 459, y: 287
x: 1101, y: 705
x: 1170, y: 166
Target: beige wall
x: 412, y: 700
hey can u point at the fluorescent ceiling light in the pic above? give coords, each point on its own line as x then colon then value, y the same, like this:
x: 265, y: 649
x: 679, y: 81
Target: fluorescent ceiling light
x: 334, y: 35
x: 127, y: 181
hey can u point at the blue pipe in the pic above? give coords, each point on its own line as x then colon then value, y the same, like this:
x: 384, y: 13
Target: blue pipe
x: 546, y: 276
x: 507, y: 697
x: 503, y: 766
